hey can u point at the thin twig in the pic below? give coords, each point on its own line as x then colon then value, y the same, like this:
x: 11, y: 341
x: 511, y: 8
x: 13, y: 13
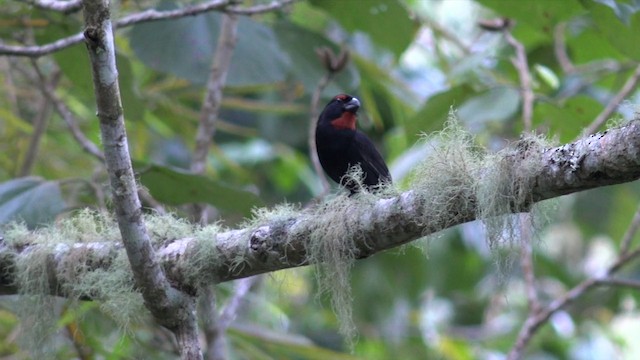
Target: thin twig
x: 216, y: 344
x: 212, y: 101
x: 560, y: 49
x: 213, y: 97
x: 230, y: 310
x: 630, y: 233
x: 68, y: 117
x: 214, y: 333
x: 39, y: 126
x: 215, y: 325
x: 147, y: 16
x: 446, y: 34
x: 634, y: 284
x: 526, y: 90
x: 10, y: 90
x: 611, y: 107
x: 535, y: 321
x: 87, y: 145
x: 313, y: 153
x: 526, y: 262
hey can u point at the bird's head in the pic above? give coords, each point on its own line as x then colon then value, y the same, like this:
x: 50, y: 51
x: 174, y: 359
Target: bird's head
x: 340, y: 112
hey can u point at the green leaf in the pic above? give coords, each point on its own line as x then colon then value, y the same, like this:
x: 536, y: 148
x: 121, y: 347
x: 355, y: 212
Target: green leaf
x: 31, y: 199
x: 541, y: 15
x: 567, y: 120
x: 185, y: 47
x: 623, y: 35
x: 435, y: 111
x: 175, y: 187
x: 387, y: 22
x: 386, y: 100
x: 497, y: 104
x: 591, y: 45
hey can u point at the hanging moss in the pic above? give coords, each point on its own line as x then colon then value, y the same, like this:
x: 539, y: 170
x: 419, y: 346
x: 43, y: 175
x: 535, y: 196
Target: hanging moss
x: 111, y: 285
x: 458, y: 176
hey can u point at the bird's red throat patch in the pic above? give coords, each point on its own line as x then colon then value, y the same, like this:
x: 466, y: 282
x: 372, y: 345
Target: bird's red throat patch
x: 346, y: 121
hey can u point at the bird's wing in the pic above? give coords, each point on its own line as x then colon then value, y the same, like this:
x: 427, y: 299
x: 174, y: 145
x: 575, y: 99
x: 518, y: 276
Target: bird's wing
x: 371, y: 161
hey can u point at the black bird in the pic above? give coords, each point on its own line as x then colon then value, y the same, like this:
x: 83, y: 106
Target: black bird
x: 340, y: 146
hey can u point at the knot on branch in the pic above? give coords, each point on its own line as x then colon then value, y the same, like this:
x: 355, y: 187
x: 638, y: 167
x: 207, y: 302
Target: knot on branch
x: 261, y: 242
x: 92, y: 37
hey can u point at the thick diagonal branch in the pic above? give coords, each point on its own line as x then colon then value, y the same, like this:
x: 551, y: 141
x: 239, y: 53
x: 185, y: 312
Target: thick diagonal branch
x: 171, y: 307
x: 599, y: 160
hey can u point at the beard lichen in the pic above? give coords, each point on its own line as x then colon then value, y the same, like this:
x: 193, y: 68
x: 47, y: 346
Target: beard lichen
x: 81, y: 257
x: 457, y: 179
x: 334, y: 233
x: 460, y: 176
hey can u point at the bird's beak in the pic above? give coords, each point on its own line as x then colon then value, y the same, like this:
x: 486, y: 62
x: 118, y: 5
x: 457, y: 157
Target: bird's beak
x: 352, y: 106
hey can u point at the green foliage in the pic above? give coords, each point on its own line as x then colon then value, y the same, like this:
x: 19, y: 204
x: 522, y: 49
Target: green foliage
x: 435, y: 111
x: 409, y: 71
x: 542, y: 16
x: 619, y: 24
x: 375, y: 18
x: 175, y: 187
x: 31, y: 199
x: 185, y: 47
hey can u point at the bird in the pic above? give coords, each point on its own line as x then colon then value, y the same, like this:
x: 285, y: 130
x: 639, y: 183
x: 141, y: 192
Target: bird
x: 340, y: 146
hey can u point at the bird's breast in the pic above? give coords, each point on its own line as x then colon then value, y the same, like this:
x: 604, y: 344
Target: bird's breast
x: 346, y: 121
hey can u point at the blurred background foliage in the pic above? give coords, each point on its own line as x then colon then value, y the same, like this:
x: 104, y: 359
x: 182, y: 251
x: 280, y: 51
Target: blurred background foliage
x: 412, y: 61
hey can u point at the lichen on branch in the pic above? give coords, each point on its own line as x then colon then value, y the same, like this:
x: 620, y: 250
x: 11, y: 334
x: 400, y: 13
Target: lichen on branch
x: 458, y: 182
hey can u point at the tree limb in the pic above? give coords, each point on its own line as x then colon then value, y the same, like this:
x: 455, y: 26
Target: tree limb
x: 171, y: 307
x: 599, y: 160
x: 615, y: 101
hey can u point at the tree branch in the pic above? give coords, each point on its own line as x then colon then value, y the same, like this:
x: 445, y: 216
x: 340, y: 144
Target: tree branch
x: 172, y: 308
x: 227, y: 6
x: 535, y: 321
x: 521, y: 64
x: 65, y: 113
x: 39, y: 126
x: 213, y: 98
x: 615, y: 101
x: 599, y: 160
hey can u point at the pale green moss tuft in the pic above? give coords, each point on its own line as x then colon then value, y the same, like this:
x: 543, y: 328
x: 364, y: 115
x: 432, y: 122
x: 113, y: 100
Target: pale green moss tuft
x: 332, y: 246
x: 111, y: 285
x: 447, y: 179
x: 459, y: 175
x: 114, y: 290
x: 203, y: 256
x: 165, y: 228
x: 35, y: 307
